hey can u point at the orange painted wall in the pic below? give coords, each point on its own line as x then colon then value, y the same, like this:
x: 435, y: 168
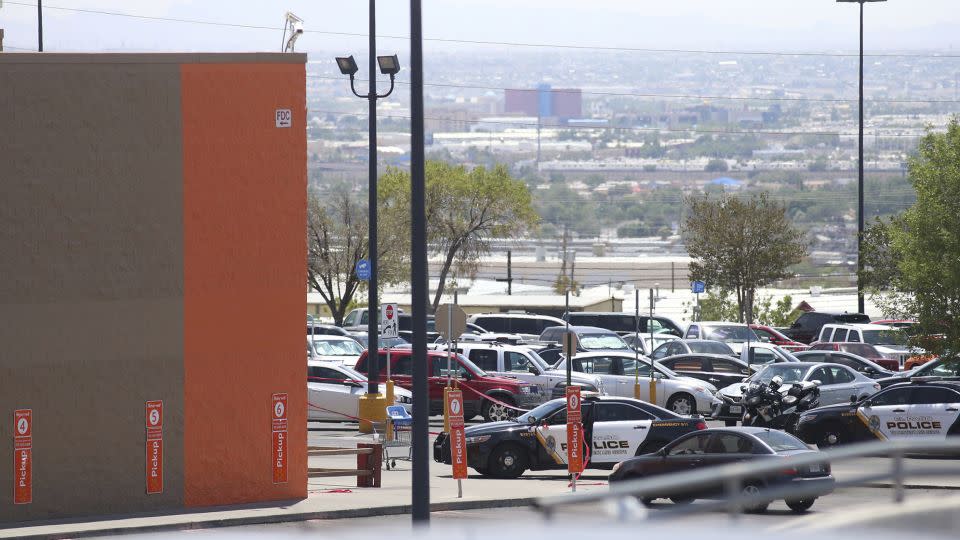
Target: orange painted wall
x: 244, y: 209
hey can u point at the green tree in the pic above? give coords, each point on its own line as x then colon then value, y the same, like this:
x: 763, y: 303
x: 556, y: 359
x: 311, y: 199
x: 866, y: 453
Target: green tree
x: 740, y: 244
x: 779, y: 313
x: 337, y: 237
x: 915, y: 257
x: 465, y: 209
x: 716, y: 165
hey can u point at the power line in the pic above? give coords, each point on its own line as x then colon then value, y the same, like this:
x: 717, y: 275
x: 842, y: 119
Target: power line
x: 613, y: 128
x: 564, y: 46
x: 670, y: 96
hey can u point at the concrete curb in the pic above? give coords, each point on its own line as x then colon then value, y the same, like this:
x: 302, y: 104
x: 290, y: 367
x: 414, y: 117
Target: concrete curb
x: 265, y: 519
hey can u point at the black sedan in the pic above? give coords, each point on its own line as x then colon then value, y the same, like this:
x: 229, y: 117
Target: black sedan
x: 717, y: 369
x: 614, y: 429
x: 720, y: 446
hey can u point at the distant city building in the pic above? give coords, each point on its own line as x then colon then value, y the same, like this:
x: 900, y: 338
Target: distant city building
x: 544, y: 102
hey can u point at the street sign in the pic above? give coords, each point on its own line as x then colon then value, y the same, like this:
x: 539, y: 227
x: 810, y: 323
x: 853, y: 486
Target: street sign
x: 451, y: 321
x: 570, y: 344
x: 574, y: 431
x: 363, y: 269
x: 698, y: 287
x: 154, y: 426
x: 279, y: 432
x: 458, y: 438
x: 23, y: 456
x: 389, y: 327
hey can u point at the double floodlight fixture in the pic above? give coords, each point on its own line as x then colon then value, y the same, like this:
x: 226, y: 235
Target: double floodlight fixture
x: 389, y: 65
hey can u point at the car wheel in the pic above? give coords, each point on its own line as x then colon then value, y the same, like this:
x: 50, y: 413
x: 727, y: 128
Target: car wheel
x: 758, y: 508
x: 682, y: 404
x: 495, y: 412
x: 800, y: 506
x: 730, y: 423
x: 507, y: 461
x: 831, y: 435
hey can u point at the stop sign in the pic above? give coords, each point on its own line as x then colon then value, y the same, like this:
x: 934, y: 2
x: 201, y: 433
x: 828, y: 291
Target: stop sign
x: 389, y: 312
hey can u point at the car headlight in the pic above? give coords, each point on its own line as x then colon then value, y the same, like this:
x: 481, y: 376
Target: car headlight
x: 703, y: 390
x: 477, y: 439
x: 616, y: 468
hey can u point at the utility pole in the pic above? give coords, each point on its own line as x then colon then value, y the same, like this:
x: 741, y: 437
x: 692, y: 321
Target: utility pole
x: 419, y: 272
x: 509, y: 278
x: 40, y: 25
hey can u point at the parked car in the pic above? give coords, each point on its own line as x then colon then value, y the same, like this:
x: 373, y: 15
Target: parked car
x: 357, y: 320
x: 863, y: 350
x: 624, y: 323
x: 334, y: 390
x: 769, y: 334
x: 333, y: 348
x: 692, y: 346
x: 614, y: 429
x: 726, y: 332
x: 716, y: 369
x: 890, y: 342
x: 590, y: 338
x: 721, y: 446
x: 946, y: 368
x: 393, y: 343
x: 760, y: 354
x: 327, y: 330
x: 620, y: 371
x: 493, y: 397
x: 807, y: 327
x: 914, y: 410
x: 525, y: 364
x: 646, y: 343
x: 864, y: 365
x: 528, y: 325
x: 837, y: 384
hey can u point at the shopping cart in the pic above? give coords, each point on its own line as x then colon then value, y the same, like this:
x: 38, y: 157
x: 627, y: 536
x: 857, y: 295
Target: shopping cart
x: 402, y: 424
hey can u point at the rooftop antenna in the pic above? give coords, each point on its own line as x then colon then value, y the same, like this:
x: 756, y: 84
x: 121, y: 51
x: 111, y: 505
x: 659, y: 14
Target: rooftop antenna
x: 294, y: 26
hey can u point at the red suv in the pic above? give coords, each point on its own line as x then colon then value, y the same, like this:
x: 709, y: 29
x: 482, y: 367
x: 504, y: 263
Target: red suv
x: 482, y: 393
x: 775, y: 337
x: 863, y: 350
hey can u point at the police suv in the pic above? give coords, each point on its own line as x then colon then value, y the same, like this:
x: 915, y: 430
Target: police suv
x: 923, y: 408
x: 614, y: 429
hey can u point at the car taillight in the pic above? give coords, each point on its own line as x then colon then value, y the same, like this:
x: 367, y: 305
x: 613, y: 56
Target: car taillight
x: 789, y: 472
x: 701, y: 425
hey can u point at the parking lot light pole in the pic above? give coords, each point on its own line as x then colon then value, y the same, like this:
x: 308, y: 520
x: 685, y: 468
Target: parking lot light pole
x: 860, y: 303
x: 373, y: 407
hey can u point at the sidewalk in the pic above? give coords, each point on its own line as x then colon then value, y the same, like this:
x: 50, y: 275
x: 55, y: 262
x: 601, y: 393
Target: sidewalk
x: 340, y: 498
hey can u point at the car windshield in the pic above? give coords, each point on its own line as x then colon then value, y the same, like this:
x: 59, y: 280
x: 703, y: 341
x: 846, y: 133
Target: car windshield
x: 542, y: 411
x: 786, y: 372
x: 354, y: 374
x: 709, y: 347
x: 630, y: 368
x: 780, y: 441
x: 540, y: 362
x: 885, y: 337
x: 339, y: 347
x: 733, y: 333
x: 945, y: 367
x: 593, y: 342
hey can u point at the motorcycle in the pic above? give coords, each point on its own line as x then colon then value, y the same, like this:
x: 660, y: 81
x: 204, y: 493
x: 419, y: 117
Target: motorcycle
x: 777, y: 405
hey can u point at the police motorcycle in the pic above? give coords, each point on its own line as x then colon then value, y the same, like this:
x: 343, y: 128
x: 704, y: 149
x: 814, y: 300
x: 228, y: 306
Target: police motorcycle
x: 777, y: 405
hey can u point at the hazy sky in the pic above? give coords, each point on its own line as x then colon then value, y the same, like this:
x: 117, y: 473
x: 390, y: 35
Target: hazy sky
x: 730, y: 24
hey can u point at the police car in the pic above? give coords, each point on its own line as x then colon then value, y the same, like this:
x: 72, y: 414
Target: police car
x: 920, y: 409
x: 616, y: 429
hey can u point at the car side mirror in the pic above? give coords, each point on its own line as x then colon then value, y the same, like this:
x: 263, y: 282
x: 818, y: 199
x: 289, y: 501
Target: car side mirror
x: 853, y: 398
x: 531, y: 420
x: 743, y: 388
x: 533, y: 369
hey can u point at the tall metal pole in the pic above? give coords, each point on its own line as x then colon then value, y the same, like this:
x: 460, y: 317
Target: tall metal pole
x: 418, y: 274
x: 373, y: 321
x: 40, y: 25
x: 860, y: 303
